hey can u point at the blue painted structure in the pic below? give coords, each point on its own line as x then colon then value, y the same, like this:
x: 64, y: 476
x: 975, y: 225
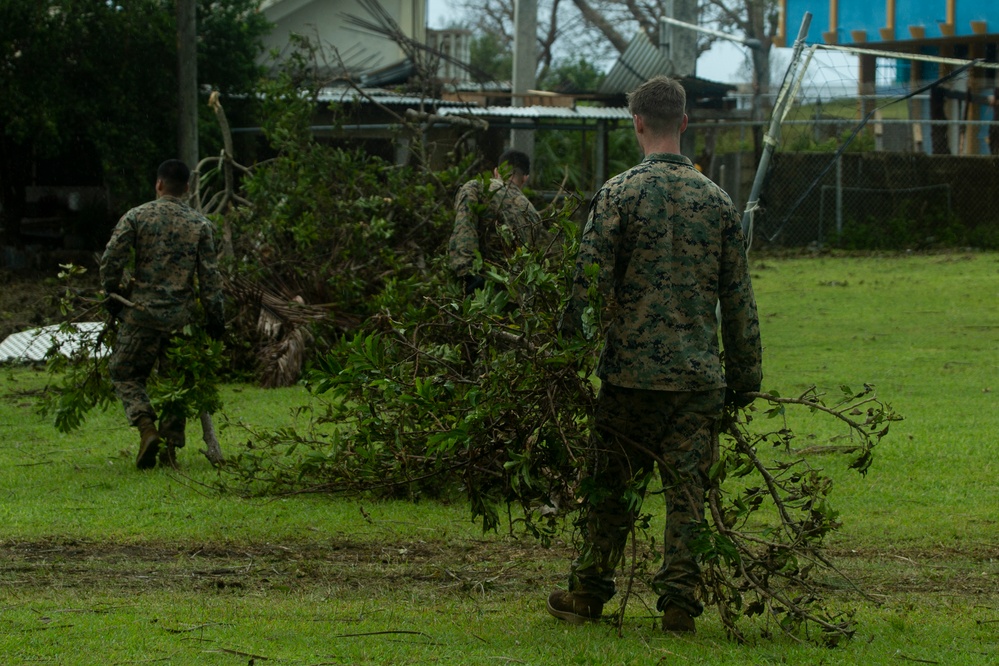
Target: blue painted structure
x: 964, y: 29
x: 885, y: 22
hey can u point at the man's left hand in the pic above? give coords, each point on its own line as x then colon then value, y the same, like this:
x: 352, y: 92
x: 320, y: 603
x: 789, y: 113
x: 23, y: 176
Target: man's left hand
x: 473, y: 282
x: 738, y: 399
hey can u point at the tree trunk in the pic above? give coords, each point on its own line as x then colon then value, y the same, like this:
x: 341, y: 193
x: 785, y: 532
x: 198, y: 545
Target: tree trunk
x: 187, y: 81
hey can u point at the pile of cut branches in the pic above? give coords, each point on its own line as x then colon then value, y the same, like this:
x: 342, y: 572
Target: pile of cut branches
x: 444, y: 395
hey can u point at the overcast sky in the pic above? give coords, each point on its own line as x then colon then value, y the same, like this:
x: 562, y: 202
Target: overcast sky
x: 723, y: 63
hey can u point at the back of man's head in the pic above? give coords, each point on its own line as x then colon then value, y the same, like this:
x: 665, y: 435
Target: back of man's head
x: 661, y: 102
x: 519, y: 162
x: 174, y: 175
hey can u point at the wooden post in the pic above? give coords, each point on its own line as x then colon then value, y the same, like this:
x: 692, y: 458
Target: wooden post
x: 187, y: 82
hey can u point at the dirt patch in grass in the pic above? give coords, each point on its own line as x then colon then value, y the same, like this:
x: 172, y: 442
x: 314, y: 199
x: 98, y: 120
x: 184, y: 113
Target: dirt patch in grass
x: 971, y: 570
x: 464, y: 565
x: 123, y: 566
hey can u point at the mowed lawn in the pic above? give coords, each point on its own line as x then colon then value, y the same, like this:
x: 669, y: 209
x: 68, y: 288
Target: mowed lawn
x: 925, y: 331
x: 102, y: 564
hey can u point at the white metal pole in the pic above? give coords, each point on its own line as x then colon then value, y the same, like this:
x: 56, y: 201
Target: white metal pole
x: 773, y: 134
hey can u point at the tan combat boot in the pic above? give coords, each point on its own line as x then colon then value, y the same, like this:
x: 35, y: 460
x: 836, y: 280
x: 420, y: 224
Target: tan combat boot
x: 574, y: 608
x: 677, y: 620
x: 149, y: 443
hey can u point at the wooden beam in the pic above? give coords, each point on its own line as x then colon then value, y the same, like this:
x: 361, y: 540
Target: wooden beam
x: 888, y: 32
x: 830, y: 37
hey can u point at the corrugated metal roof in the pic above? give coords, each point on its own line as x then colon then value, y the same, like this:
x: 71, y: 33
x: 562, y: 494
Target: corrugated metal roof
x: 349, y: 94
x: 34, y: 344
x: 640, y: 62
x: 486, y: 86
x: 545, y: 112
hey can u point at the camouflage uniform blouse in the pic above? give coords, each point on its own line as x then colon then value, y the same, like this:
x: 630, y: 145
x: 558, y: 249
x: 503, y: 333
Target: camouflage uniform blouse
x: 492, y: 222
x: 173, y: 246
x: 668, y: 246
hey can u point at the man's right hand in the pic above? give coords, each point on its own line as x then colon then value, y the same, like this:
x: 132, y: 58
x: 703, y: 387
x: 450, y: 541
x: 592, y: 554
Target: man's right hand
x: 737, y: 399
x: 112, y: 305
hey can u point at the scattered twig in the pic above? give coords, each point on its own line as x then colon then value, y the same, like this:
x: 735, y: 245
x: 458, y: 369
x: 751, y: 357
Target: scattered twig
x: 196, y: 627
x: 921, y: 661
x: 388, y: 633
x: 240, y: 653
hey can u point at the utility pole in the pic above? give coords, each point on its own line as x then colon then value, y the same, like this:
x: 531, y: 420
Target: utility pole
x: 525, y: 65
x: 187, y: 82
x: 680, y: 45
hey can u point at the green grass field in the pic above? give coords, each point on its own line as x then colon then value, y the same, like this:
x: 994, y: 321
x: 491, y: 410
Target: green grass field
x: 102, y: 564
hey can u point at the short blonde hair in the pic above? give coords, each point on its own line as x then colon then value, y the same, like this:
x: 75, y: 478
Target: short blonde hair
x: 661, y: 102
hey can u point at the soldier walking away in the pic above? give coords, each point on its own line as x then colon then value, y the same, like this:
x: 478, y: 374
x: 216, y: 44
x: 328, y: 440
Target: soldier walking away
x: 169, y: 249
x: 493, y: 219
x: 668, y: 248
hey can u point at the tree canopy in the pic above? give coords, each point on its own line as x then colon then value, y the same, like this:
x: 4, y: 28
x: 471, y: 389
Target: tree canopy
x: 98, y: 79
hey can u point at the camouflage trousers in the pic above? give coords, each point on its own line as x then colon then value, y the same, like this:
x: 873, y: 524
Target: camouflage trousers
x: 636, y: 431
x: 136, y: 352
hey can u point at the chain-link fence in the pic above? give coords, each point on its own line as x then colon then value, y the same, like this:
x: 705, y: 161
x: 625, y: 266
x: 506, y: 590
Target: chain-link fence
x: 879, y: 200
x: 900, y: 182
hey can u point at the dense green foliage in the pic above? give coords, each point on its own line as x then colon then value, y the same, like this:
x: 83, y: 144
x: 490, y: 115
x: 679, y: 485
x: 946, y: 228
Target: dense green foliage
x: 332, y: 224
x: 564, y: 159
x: 95, y: 83
x: 441, y: 394
x: 572, y: 76
x: 489, y: 59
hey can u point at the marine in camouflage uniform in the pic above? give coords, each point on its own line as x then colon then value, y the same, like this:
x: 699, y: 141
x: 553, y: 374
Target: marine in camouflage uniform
x: 170, y: 249
x: 668, y: 247
x: 492, y: 219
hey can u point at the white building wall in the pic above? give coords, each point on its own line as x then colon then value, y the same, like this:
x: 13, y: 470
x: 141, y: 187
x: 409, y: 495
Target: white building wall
x: 327, y: 22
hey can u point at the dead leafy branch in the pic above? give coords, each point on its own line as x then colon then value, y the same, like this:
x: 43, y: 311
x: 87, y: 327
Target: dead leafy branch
x: 767, y: 545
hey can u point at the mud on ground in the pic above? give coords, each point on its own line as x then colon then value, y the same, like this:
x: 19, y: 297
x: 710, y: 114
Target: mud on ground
x: 517, y: 566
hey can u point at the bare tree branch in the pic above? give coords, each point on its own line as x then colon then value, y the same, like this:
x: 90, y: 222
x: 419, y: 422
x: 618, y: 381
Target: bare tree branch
x: 598, y: 20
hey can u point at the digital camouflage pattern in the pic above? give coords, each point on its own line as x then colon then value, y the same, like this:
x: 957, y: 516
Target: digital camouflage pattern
x: 170, y: 251
x: 173, y: 247
x: 676, y: 428
x: 665, y: 246
x: 669, y: 247
x: 492, y: 222
x: 137, y: 351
